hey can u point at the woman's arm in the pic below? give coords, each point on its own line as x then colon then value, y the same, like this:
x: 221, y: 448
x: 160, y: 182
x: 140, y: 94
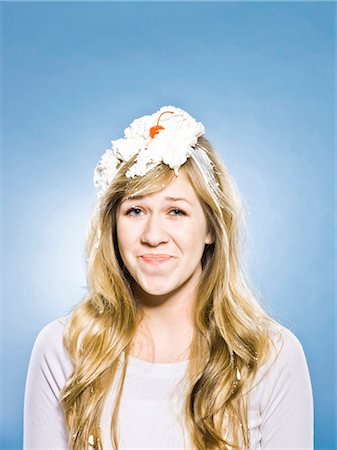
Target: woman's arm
x: 48, y: 370
x: 286, y: 405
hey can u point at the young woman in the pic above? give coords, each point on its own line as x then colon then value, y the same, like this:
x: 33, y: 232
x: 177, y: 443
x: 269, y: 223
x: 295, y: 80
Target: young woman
x: 170, y: 349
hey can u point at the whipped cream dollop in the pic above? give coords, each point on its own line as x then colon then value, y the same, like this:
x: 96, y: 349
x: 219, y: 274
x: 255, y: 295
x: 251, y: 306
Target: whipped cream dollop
x: 176, y: 135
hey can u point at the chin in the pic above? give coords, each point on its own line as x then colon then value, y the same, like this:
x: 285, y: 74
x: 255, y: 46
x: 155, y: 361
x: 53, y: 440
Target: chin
x: 156, y: 289
x: 157, y: 292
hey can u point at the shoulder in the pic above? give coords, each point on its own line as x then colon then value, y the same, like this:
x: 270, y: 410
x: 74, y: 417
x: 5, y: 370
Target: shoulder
x: 50, y: 337
x: 286, y: 359
x: 287, y: 348
x: 49, y: 352
x: 55, y: 327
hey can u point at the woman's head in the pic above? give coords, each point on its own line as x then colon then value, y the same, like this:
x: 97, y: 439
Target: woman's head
x: 136, y: 218
x: 162, y: 236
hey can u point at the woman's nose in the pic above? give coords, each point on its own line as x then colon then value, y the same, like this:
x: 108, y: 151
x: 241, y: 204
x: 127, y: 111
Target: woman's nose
x: 154, y: 231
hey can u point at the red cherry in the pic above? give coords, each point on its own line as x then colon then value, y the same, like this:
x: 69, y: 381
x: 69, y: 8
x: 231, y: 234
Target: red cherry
x: 155, y: 129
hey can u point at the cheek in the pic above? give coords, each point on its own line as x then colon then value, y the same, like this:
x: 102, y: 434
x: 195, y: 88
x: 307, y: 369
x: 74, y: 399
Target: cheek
x: 124, y: 235
x: 191, y: 235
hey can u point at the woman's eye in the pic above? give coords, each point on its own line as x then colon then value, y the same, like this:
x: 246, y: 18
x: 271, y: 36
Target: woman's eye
x: 131, y: 210
x: 180, y: 212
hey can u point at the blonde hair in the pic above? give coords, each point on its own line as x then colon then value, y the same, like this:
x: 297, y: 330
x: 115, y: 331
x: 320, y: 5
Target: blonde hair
x: 231, y: 329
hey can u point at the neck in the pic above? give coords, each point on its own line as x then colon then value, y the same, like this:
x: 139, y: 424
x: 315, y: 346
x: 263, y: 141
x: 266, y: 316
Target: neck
x: 167, y: 324
x: 170, y: 311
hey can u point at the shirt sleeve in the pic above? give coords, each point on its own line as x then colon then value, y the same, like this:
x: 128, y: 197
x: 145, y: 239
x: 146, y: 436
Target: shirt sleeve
x: 49, y: 367
x: 286, y: 405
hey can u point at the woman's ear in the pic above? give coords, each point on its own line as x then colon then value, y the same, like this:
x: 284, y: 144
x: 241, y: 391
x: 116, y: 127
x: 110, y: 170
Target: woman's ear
x: 209, y: 238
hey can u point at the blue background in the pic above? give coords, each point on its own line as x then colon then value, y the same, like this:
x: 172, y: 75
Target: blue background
x: 260, y: 76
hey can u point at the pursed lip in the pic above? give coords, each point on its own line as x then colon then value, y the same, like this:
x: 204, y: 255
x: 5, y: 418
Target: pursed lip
x: 156, y: 255
x: 155, y: 258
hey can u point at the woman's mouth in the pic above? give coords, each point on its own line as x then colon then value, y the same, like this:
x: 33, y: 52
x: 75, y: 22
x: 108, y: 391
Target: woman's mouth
x: 155, y: 259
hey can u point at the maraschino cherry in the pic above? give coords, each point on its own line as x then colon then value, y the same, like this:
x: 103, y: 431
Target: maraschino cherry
x: 155, y: 129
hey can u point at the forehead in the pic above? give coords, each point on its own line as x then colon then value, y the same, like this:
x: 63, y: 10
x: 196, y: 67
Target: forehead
x: 180, y: 187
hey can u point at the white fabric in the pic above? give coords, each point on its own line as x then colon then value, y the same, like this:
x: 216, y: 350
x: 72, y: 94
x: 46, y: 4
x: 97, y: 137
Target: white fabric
x: 280, y: 412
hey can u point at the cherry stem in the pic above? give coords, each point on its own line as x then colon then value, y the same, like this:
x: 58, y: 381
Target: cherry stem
x: 171, y: 112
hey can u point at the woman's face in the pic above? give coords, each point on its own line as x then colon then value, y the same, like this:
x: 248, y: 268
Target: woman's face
x: 160, y: 224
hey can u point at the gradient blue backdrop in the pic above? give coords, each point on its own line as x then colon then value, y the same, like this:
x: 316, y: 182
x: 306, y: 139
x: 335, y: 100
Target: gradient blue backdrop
x: 260, y: 76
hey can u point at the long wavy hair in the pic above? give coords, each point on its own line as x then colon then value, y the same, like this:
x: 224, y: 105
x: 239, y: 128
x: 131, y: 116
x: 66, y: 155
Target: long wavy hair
x: 231, y: 328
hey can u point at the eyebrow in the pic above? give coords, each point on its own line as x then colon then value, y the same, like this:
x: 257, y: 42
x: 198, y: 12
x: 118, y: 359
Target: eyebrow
x: 174, y: 199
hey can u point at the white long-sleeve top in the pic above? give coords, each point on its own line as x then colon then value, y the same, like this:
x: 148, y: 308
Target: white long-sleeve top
x: 280, y: 409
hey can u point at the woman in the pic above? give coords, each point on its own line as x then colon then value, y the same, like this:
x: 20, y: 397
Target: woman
x: 170, y: 348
